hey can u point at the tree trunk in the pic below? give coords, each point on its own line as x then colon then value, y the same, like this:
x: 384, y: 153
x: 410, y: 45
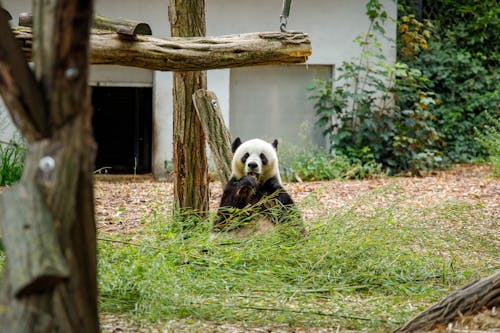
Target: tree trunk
x: 219, y: 138
x: 473, y: 297
x: 187, y: 18
x: 58, y: 293
x: 191, y: 53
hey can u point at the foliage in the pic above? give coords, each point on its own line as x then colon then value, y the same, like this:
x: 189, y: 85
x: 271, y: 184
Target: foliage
x: 12, y: 155
x: 466, y: 88
x: 472, y: 26
x: 310, y: 163
x: 412, y: 37
x: 421, y: 113
x: 359, y: 267
x: 489, y: 138
x: 380, y: 107
x: 460, y: 61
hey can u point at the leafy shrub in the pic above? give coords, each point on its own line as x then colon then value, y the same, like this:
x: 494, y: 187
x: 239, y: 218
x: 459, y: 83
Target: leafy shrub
x: 394, y: 122
x: 314, y: 163
x: 489, y: 138
x: 460, y: 61
x: 420, y: 114
x: 412, y: 37
x: 466, y: 88
x: 380, y: 107
x: 12, y: 155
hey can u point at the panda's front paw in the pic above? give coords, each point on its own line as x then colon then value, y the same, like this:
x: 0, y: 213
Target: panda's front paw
x: 248, y: 181
x: 247, y: 186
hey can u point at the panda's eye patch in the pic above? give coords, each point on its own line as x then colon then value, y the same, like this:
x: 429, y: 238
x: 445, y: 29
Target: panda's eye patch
x: 245, y: 157
x: 263, y: 159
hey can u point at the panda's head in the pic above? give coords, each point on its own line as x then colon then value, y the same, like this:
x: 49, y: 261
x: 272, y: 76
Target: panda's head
x: 255, y: 157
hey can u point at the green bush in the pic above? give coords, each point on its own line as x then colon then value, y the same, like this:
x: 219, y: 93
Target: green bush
x: 12, y: 155
x: 312, y: 163
x: 381, y: 108
x: 489, y: 138
x: 465, y: 88
x: 420, y: 113
x: 459, y: 57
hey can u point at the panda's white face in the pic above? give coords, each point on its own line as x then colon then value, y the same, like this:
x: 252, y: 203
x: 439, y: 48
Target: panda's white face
x: 255, y: 157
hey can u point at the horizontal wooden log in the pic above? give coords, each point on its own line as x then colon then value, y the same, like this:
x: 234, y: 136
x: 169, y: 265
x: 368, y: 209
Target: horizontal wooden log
x: 121, y: 26
x: 473, y: 297
x: 191, y: 53
x: 35, y: 259
x: 217, y: 134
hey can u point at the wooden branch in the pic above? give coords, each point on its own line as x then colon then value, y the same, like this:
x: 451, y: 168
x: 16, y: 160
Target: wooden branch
x: 218, y: 136
x: 484, y: 293
x: 120, y: 26
x: 191, y: 53
x: 36, y: 262
x: 19, y: 88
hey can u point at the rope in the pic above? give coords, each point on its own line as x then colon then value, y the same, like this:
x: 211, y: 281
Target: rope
x: 285, y: 12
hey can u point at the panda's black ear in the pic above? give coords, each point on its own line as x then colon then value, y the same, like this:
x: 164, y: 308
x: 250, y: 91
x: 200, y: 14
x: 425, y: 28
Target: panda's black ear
x: 236, y: 144
x: 275, y: 144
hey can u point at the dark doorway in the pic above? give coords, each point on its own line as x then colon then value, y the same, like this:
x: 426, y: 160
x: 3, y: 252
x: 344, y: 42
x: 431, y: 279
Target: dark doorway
x: 123, y: 128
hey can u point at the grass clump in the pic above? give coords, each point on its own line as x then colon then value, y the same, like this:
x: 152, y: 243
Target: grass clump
x: 361, y: 267
x: 311, y: 163
x: 12, y: 155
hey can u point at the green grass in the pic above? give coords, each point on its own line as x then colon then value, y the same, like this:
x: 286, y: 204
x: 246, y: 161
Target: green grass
x: 12, y: 155
x: 362, y: 267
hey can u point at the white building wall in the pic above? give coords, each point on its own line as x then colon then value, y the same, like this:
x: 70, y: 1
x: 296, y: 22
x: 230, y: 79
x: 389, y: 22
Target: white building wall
x: 331, y: 24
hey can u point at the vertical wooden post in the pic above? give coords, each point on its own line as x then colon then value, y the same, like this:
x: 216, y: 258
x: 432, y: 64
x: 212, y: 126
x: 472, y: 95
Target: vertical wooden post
x: 187, y: 19
x: 61, y: 294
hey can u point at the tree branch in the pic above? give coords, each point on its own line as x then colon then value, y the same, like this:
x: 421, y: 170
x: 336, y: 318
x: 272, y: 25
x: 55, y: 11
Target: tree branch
x: 19, y: 88
x: 191, y: 53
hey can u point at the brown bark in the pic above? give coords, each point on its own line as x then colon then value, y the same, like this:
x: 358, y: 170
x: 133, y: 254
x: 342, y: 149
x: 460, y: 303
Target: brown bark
x: 218, y: 136
x: 192, y: 53
x: 120, y: 26
x: 19, y: 87
x: 187, y: 18
x: 59, y: 168
x: 473, y: 297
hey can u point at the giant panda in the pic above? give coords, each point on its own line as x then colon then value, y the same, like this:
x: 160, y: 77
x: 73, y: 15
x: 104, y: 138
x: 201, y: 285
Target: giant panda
x: 254, y: 199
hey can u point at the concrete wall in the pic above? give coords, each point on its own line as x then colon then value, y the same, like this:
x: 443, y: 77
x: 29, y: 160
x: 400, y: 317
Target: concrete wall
x: 331, y: 24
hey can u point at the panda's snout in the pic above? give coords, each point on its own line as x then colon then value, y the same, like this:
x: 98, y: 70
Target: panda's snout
x: 253, y: 168
x: 252, y: 165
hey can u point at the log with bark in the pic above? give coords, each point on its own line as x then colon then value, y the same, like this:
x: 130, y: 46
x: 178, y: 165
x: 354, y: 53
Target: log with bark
x: 191, y: 53
x: 471, y: 298
x: 216, y: 131
x: 118, y: 25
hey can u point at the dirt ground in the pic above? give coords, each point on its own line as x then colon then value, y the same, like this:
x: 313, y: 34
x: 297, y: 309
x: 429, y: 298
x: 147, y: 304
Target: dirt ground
x: 123, y: 202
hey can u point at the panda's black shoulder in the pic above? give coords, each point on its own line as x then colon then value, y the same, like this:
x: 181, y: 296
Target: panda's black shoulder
x: 272, y: 186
